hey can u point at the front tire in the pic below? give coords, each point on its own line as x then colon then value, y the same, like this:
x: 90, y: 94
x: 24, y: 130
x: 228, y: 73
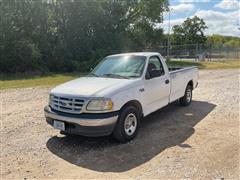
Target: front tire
x: 187, y: 98
x: 127, y: 125
x: 66, y: 133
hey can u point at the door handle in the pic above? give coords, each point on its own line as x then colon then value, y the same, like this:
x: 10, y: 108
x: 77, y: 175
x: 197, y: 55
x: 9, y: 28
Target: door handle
x: 166, y: 81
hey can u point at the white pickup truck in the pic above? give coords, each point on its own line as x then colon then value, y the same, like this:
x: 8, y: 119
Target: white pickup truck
x: 114, y: 97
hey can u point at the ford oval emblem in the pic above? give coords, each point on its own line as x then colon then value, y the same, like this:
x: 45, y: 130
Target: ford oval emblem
x: 63, y: 103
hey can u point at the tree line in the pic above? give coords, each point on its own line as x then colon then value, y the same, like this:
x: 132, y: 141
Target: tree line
x: 191, y: 31
x: 71, y: 35
x: 219, y: 41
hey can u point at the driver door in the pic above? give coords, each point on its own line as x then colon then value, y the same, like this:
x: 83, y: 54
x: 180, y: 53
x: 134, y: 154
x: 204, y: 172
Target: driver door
x: 157, y: 86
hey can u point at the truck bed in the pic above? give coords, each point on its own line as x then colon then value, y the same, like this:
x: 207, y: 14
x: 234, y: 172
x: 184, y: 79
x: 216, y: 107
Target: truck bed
x: 174, y: 68
x: 180, y: 77
x: 179, y: 69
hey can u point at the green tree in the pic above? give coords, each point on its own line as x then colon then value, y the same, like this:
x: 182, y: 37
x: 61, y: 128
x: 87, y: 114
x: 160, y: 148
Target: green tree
x: 191, y: 31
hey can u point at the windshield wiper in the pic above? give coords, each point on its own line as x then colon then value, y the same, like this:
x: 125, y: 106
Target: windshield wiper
x: 93, y: 74
x: 114, y: 75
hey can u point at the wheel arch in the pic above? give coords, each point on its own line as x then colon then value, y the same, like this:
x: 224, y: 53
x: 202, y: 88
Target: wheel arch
x: 134, y: 103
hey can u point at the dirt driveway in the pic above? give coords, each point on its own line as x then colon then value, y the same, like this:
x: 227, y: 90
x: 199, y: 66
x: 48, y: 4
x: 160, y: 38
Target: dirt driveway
x: 199, y: 141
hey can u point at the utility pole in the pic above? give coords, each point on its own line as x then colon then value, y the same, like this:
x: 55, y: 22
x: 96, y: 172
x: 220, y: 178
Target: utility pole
x: 169, y: 29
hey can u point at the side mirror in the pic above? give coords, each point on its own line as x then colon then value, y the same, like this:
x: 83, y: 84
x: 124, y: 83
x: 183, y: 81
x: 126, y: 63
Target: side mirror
x: 155, y: 73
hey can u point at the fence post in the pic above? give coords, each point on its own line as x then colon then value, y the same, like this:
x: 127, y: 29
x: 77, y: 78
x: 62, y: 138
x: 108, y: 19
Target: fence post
x: 196, y: 49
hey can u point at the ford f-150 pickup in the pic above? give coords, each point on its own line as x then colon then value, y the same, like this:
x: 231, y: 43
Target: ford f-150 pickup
x: 114, y: 97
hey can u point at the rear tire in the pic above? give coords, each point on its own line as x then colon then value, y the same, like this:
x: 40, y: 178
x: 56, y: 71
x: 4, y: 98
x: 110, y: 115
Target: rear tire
x: 127, y: 125
x: 187, y: 98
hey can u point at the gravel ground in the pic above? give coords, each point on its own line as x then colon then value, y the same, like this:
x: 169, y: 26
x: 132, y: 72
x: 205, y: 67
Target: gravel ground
x: 199, y: 141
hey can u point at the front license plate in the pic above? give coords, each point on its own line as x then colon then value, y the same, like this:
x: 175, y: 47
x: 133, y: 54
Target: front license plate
x: 59, y: 125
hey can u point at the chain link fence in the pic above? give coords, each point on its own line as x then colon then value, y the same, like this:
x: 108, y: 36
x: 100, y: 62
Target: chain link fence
x: 200, y: 52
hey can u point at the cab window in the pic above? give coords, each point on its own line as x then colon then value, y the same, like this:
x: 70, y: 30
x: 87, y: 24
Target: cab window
x: 155, y: 68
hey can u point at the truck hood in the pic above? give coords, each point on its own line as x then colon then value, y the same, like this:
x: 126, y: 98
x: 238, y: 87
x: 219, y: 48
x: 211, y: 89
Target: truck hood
x: 91, y: 86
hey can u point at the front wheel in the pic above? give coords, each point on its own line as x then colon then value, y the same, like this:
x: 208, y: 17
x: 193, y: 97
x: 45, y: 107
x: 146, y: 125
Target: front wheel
x: 187, y: 98
x: 127, y: 126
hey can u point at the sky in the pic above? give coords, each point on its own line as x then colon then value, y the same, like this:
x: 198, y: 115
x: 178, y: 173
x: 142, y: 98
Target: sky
x: 221, y: 16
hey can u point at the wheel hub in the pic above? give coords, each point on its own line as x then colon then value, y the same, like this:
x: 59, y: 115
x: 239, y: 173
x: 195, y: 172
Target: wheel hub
x: 188, y: 95
x: 130, y: 124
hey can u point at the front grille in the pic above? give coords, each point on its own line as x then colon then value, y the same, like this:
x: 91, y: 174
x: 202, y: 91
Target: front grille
x: 66, y: 104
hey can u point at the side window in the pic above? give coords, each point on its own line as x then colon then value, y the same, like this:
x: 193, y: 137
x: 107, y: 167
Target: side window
x: 155, y: 67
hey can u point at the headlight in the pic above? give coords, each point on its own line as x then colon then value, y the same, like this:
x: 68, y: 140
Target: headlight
x: 100, y: 105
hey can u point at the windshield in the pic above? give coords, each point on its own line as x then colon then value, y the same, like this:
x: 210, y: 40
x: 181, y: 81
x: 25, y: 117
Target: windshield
x: 120, y: 67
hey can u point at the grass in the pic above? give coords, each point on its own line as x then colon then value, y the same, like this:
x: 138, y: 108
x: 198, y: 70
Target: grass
x: 22, y: 81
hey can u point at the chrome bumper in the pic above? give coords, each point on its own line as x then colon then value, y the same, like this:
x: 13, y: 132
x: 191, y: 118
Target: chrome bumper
x: 80, y: 121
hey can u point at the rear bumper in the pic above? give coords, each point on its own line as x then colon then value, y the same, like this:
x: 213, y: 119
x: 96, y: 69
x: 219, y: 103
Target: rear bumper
x: 83, y: 124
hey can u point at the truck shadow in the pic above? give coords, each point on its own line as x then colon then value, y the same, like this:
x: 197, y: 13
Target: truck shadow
x: 165, y: 128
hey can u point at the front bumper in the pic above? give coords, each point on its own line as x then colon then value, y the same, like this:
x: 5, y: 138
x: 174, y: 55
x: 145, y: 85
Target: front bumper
x: 84, y: 124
